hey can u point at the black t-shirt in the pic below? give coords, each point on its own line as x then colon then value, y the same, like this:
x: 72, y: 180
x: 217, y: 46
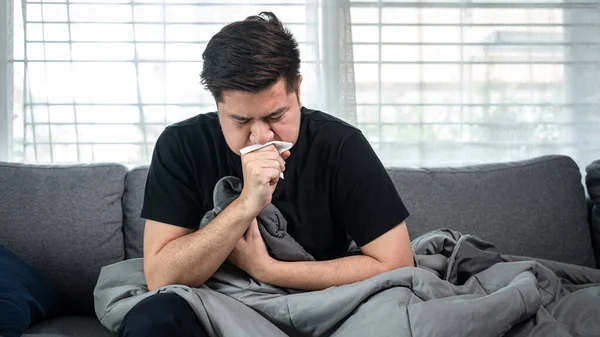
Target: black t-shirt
x: 334, y: 182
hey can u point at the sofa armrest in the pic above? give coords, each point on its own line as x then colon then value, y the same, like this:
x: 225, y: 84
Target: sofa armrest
x: 594, y: 217
x: 592, y: 181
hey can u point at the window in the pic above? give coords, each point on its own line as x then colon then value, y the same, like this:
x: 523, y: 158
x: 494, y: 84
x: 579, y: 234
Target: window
x: 433, y: 83
x: 96, y: 81
x: 450, y: 83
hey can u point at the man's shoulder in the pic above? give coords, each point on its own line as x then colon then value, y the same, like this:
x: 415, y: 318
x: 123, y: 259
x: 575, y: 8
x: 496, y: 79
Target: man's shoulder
x: 325, y: 126
x: 192, y: 135
x: 203, y: 121
x: 201, y: 126
x: 322, y: 118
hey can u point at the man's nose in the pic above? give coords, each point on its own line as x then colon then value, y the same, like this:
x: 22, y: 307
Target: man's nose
x: 261, y: 133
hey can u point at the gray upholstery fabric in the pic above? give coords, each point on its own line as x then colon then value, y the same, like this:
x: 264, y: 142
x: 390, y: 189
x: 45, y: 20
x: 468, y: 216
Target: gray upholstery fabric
x: 133, y: 225
x: 69, y: 326
x: 64, y: 221
x: 534, y: 208
x: 592, y: 181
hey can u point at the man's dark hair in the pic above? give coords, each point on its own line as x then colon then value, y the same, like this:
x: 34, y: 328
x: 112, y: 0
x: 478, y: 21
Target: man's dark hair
x: 251, y: 55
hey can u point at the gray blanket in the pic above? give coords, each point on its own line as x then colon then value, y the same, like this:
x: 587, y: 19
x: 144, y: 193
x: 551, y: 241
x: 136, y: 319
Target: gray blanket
x: 461, y: 286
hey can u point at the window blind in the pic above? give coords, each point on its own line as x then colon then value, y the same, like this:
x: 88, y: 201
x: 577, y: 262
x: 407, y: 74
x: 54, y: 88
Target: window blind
x: 436, y: 82
x: 460, y: 82
x: 98, y: 81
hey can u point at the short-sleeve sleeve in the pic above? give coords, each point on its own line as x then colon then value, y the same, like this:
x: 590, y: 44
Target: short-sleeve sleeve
x: 368, y: 204
x: 170, y: 195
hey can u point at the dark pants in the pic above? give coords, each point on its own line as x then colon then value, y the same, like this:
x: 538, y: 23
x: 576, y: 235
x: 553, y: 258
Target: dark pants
x: 165, y: 314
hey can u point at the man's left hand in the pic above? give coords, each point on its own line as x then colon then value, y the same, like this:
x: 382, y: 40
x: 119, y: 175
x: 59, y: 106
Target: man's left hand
x: 250, y: 253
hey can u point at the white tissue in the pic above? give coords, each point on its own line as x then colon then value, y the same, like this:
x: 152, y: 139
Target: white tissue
x: 280, y: 146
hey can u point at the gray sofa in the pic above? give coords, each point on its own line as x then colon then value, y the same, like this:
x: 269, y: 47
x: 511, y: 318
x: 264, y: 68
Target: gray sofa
x: 69, y: 221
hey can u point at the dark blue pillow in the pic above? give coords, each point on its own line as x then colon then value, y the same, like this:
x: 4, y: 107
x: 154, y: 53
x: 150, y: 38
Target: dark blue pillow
x: 24, y: 296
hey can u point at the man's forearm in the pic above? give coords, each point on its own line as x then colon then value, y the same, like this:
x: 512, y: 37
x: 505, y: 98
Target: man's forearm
x: 193, y: 258
x: 318, y: 275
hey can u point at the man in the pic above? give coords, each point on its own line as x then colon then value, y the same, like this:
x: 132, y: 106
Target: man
x: 334, y: 184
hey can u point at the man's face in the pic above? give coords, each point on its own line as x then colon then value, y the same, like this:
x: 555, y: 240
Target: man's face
x: 257, y: 118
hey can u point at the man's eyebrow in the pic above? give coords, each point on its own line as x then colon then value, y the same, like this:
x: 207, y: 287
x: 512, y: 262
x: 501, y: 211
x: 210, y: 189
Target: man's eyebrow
x: 239, y: 118
x: 276, y: 112
x: 269, y: 115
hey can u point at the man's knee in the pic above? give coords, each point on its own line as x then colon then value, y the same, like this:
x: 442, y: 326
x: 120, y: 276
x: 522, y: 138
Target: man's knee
x: 165, y: 314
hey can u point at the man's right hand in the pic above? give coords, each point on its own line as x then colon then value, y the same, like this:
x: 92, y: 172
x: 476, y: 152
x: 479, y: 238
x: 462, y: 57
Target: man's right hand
x: 176, y: 255
x: 261, y: 169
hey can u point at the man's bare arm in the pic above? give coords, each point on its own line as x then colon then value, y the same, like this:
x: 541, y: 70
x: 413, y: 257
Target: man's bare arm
x: 318, y: 275
x: 390, y: 251
x: 176, y: 255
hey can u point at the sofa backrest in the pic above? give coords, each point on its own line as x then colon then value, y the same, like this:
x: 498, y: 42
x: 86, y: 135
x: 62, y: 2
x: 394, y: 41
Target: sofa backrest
x: 65, y: 222
x: 133, y: 225
x: 533, y: 208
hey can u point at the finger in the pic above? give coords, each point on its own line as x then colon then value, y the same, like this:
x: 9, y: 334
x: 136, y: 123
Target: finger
x: 278, y: 159
x: 285, y: 155
x: 240, y: 242
x: 271, y: 148
x: 254, y: 226
x: 267, y: 149
x: 276, y: 164
x: 281, y: 163
x: 256, y: 155
x: 255, y: 232
x: 271, y: 176
x: 249, y: 232
x: 267, y: 174
x: 260, y: 152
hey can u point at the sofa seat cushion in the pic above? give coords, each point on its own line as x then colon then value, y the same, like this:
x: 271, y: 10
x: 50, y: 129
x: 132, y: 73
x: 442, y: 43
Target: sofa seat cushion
x: 534, y: 207
x: 65, y: 222
x: 69, y: 326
